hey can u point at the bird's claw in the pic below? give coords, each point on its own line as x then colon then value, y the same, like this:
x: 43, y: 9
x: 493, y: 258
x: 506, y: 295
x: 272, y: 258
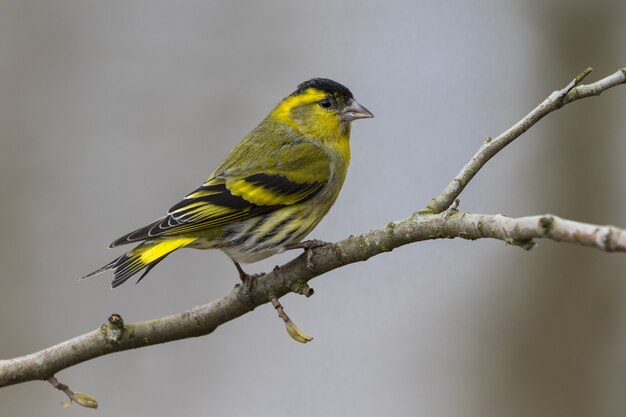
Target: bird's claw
x: 307, y: 245
x: 248, y: 281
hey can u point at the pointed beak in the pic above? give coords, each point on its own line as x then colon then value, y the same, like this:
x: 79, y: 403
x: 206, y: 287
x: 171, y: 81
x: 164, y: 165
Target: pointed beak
x: 355, y: 111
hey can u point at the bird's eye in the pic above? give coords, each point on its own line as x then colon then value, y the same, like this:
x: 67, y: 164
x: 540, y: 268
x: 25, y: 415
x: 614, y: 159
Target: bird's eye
x: 326, y: 103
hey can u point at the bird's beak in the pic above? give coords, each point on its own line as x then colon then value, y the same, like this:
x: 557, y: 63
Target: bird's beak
x: 355, y: 111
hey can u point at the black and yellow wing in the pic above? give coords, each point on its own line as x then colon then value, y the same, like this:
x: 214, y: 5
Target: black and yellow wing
x: 295, y: 172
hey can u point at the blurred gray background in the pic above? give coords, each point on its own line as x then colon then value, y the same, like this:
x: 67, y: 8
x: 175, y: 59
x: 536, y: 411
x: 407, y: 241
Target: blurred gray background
x: 112, y: 111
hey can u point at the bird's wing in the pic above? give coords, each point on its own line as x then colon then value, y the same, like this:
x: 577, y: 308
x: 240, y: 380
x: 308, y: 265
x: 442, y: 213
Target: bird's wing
x: 295, y: 172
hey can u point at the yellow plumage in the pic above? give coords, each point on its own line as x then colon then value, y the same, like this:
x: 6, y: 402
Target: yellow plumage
x: 268, y: 193
x: 162, y: 248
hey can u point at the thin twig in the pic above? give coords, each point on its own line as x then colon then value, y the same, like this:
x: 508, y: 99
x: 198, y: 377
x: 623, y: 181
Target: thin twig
x: 294, y: 331
x: 79, y: 398
x: 572, y: 92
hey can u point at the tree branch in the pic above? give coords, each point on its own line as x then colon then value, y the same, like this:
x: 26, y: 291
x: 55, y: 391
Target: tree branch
x: 439, y: 220
x: 293, y: 277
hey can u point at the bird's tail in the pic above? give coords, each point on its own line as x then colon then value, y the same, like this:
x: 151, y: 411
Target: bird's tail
x: 145, y: 256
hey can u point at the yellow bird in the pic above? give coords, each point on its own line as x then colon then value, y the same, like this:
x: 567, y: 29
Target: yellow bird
x: 267, y: 195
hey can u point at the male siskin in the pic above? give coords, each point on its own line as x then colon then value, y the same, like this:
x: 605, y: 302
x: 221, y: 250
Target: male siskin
x: 268, y: 193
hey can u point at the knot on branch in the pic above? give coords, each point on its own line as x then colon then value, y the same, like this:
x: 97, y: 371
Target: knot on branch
x: 547, y: 224
x: 302, y: 288
x: 526, y: 244
x: 116, y: 321
x: 609, y: 240
x: 113, y: 331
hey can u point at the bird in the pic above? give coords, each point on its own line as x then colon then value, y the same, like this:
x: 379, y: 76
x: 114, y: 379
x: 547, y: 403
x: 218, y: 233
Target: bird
x: 269, y: 192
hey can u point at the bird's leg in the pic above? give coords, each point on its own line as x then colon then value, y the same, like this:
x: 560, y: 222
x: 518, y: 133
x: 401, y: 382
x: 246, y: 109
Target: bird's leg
x: 245, y: 278
x: 307, y: 245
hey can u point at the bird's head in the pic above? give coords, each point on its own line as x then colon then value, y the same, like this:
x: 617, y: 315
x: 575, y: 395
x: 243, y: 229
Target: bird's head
x: 320, y: 109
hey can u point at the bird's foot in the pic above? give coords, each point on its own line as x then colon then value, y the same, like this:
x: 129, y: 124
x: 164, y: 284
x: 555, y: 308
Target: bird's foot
x: 307, y: 245
x: 247, y: 279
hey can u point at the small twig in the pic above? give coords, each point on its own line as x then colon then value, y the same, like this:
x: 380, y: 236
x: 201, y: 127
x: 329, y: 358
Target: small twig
x: 294, y: 331
x: 573, y: 91
x: 596, y: 88
x: 79, y: 398
x: 579, y: 78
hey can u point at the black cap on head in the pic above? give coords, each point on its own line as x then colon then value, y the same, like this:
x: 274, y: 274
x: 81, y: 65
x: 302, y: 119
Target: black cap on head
x: 324, y: 84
